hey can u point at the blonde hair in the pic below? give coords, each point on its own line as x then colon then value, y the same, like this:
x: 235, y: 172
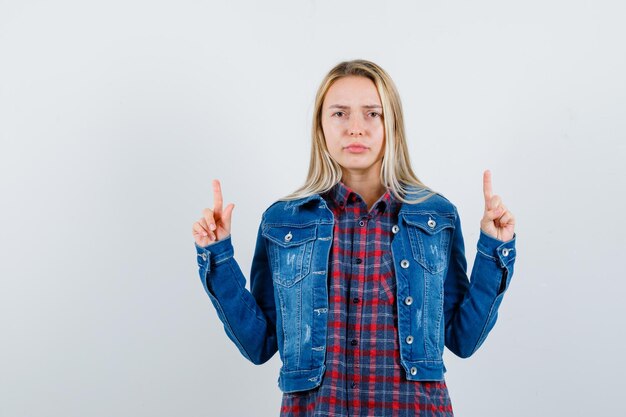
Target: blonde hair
x: 396, y: 173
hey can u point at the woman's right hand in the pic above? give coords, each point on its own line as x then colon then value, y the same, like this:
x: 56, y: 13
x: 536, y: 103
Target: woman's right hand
x: 214, y: 224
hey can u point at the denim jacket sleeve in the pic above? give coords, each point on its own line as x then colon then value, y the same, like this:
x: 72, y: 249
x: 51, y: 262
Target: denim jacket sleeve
x: 471, y: 306
x: 249, y: 317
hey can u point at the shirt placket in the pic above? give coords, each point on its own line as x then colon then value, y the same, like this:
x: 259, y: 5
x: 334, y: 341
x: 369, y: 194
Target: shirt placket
x: 357, y: 304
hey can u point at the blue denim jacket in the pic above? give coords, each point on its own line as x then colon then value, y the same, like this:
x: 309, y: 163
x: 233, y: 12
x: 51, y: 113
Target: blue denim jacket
x: 286, y: 308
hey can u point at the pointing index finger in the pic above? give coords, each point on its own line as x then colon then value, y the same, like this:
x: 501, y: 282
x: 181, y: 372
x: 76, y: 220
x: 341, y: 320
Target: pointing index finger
x: 487, y: 188
x: 217, y: 197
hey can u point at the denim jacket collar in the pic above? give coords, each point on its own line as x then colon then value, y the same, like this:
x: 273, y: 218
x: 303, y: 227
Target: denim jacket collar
x: 340, y: 192
x: 341, y: 195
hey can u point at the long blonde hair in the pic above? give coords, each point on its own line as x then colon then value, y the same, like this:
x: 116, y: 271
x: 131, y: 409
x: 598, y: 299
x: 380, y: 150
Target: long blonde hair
x: 396, y: 173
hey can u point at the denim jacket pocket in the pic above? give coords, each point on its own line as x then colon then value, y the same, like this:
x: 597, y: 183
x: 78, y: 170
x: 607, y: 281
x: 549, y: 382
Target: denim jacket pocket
x: 429, y: 234
x: 290, y: 248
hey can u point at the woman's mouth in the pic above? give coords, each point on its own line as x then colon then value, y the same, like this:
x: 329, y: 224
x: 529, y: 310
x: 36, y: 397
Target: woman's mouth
x: 355, y: 148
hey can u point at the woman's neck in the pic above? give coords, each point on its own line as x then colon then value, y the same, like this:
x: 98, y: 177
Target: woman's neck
x: 367, y: 185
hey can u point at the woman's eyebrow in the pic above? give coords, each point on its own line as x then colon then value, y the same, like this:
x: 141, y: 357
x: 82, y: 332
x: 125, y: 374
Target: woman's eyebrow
x: 367, y: 106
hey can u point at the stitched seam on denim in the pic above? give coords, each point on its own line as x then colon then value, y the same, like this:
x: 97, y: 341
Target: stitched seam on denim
x: 421, y: 259
x: 225, y: 258
x: 302, y: 260
x: 511, y: 256
x: 320, y: 325
x: 488, y: 256
x: 204, y: 271
x: 246, y: 303
x: 297, y: 225
x: 429, y: 361
x: 299, y: 328
x: 428, y: 229
x: 482, y: 333
x: 230, y: 328
x: 282, y: 324
x: 507, y: 261
x: 307, y: 259
x: 437, y: 331
x: 433, y: 212
x: 424, y: 313
x: 413, y: 243
x: 291, y: 244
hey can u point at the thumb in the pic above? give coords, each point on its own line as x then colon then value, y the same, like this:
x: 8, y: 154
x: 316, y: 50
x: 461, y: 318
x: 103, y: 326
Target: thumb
x: 227, y: 214
x: 493, y: 213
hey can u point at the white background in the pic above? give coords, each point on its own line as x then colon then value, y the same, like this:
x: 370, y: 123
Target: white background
x: 116, y: 115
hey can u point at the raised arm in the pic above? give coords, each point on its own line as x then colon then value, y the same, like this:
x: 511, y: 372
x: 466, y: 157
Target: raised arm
x: 471, y: 304
x: 249, y: 317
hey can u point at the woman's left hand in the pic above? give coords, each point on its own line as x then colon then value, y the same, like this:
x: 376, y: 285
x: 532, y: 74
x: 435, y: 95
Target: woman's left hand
x: 497, y: 221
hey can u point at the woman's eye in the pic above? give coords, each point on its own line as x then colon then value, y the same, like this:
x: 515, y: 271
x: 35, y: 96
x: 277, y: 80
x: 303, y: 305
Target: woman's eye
x: 375, y: 114
x: 337, y: 113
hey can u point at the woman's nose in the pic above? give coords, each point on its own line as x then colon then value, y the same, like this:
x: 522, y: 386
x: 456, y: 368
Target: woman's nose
x: 356, y: 127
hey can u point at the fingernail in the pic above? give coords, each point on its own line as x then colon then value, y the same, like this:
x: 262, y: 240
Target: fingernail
x: 204, y: 234
x: 212, y: 226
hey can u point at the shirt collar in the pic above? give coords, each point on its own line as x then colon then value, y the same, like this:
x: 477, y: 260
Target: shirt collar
x: 342, y: 196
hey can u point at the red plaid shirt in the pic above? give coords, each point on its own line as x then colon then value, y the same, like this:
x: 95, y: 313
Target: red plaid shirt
x: 363, y: 373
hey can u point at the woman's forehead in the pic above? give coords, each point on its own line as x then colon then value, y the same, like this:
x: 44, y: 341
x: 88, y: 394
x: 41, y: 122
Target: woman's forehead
x: 352, y: 91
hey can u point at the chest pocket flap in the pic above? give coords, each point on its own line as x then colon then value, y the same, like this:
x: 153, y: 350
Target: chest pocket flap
x: 429, y: 234
x: 290, y: 235
x: 430, y: 223
x: 290, y: 249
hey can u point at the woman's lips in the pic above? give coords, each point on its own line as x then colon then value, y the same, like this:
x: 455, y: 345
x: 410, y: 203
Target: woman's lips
x: 356, y: 148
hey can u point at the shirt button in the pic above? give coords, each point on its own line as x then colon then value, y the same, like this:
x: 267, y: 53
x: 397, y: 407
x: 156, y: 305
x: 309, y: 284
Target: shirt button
x: 354, y: 342
x: 355, y: 300
x: 404, y: 263
x: 409, y: 339
x: 361, y: 223
x: 505, y: 252
x: 413, y: 370
x: 395, y: 228
x: 354, y: 385
x: 408, y: 301
x: 359, y: 260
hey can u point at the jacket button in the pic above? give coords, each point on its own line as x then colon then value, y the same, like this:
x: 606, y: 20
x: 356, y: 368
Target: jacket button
x: 204, y: 256
x: 432, y: 223
x: 409, y: 339
x: 404, y: 263
x: 413, y: 370
x: 505, y: 252
x: 288, y: 237
x: 395, y: 229
x: 408, y: 301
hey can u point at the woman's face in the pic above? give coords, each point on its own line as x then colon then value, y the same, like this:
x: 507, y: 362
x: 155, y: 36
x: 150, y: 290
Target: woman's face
x: 353, y: 126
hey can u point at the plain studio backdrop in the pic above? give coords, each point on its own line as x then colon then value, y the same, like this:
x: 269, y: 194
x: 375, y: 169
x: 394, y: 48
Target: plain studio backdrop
x: 116, y: 115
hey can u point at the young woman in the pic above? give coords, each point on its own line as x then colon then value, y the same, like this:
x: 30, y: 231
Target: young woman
x: 359, y: 277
